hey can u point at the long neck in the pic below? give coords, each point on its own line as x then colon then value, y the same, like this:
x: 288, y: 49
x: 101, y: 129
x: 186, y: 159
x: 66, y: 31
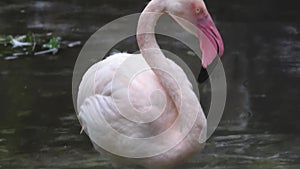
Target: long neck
x: 145, y: 32
x: 152, y: 54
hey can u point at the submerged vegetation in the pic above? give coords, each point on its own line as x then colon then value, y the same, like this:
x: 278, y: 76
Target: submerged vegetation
x: 31, y: 44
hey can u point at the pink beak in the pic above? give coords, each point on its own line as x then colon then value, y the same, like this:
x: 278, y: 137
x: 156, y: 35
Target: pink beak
x: 211, y: 43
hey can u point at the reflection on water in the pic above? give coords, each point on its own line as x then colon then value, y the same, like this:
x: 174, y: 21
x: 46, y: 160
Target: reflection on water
x: 260, y: 129
x: 63, y: 147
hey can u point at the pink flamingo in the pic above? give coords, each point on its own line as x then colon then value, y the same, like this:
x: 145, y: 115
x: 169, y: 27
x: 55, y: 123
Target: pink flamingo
x: 96, y: 91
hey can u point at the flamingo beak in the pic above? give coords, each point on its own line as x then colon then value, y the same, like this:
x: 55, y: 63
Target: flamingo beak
x: 211, y: 43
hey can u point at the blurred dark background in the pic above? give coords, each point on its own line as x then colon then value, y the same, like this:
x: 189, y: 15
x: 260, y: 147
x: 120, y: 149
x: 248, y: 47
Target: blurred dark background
x: 260, y: 126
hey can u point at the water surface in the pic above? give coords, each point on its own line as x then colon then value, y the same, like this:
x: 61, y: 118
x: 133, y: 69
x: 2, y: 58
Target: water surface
x: 259, y: 129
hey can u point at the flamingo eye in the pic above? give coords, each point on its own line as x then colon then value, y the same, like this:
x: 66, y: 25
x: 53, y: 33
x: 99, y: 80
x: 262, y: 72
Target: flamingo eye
x: 198, y: 10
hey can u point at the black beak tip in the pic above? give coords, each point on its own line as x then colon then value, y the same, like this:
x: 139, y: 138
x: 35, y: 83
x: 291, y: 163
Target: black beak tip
x: 203, y: 76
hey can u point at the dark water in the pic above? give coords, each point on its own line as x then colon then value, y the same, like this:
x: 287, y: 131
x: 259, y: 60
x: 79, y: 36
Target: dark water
x: 260, y: 126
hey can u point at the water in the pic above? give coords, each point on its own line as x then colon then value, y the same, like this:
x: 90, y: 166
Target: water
x: 259, y: 129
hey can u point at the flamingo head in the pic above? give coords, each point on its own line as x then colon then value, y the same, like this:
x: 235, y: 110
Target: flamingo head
x: 194, y: 17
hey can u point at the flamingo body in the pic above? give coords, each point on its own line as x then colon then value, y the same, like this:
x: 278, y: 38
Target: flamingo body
x: 95, y: 97
x: 149, y: 117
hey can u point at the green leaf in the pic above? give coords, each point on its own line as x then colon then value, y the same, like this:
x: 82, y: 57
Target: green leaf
x: 54, y: 42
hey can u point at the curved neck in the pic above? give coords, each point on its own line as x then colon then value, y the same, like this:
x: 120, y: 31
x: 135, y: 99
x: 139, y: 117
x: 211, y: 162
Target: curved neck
x: 152, y: 54
x: 146, y: 31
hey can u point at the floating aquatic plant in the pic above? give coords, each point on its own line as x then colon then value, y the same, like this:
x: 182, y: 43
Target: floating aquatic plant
x: 31, y: 44
x: 54, y: 42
